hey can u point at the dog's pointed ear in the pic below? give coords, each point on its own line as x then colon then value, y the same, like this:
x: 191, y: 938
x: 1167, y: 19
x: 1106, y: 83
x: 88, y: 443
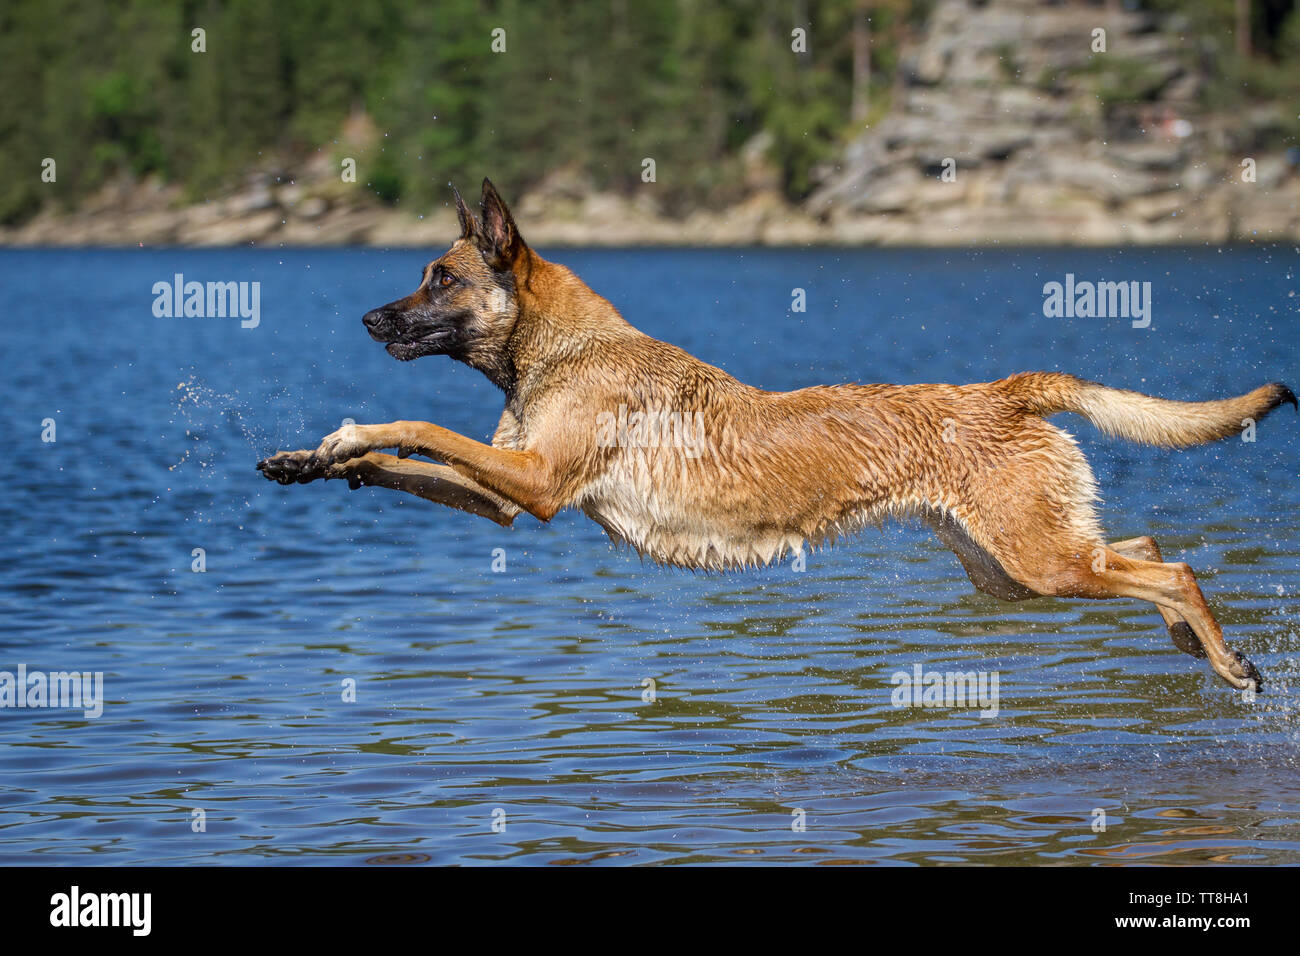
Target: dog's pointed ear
x: 500, y: 239
x: 468, y: 224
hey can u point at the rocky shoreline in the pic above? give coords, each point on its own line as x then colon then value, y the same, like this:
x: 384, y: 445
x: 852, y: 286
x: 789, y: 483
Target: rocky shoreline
x: 967, y: 213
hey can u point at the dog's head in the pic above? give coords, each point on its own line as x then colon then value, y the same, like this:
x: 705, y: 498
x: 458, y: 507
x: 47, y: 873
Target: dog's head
x: 467, y: 303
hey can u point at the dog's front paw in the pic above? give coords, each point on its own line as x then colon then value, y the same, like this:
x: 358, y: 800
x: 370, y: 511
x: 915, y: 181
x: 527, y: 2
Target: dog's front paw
x: 350, y: 441
x: 289, y: 467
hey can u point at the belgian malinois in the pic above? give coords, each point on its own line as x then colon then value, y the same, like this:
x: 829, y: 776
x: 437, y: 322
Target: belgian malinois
x: 758, y: 474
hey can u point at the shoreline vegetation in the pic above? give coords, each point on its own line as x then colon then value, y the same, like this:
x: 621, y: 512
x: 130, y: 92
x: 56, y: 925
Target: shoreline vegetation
x: 940, y: 123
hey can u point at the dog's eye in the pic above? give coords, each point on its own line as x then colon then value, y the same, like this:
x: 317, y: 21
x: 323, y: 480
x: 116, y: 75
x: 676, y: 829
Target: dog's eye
x: 446, y: 280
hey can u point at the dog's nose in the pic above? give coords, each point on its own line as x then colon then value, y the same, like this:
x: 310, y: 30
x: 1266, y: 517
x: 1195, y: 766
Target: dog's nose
x: 373, y: 319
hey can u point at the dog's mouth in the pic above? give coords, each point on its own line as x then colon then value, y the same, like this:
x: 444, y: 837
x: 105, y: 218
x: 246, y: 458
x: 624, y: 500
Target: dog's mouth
x: 406, y: 349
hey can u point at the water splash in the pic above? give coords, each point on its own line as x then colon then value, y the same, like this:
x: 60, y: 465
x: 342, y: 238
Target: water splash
x: 204, y: 410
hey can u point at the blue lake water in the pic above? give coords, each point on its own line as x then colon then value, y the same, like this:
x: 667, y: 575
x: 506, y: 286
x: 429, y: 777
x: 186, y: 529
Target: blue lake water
x: 516, y: 697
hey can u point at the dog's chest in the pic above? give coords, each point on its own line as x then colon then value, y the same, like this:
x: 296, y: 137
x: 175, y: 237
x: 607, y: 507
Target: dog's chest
x: 663, y: 521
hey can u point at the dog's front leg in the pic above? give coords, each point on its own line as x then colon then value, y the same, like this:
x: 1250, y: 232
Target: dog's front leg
x: 523, y: 477
x: 353, y: 441
x: 436, y: 483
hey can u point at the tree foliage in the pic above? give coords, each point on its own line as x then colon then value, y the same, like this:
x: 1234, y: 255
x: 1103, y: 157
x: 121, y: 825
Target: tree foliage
x: 113, y: 89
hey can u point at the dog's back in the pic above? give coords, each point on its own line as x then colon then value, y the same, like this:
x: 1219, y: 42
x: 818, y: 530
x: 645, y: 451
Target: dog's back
x: 694, y: 468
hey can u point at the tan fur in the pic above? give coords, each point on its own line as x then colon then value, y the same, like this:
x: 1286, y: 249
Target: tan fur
x: 1141, y: 418
x: 776, y: 472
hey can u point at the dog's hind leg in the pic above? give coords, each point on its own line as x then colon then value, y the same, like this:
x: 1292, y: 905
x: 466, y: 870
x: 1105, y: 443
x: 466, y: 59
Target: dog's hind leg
x: 1173, y: 586
x: 983, y: 569
x: 436, y: 483
x: 1034, y: 517
x: 1180, y: 631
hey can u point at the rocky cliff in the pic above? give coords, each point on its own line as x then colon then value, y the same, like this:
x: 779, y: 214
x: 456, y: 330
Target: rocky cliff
x: 1047, y: 141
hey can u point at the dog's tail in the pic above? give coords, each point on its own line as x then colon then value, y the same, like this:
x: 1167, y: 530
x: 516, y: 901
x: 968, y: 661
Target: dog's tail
x: 1141, y: 418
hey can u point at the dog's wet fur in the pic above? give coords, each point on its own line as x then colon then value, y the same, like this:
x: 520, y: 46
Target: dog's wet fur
x: 772, y: 472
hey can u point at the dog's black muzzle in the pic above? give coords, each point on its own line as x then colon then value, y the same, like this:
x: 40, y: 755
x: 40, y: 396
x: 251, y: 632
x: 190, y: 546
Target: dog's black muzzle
x: 407, y: 335
x: 384, y: 324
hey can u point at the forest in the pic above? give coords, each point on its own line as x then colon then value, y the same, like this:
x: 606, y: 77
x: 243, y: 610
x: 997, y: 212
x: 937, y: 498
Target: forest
x: 121, y: 88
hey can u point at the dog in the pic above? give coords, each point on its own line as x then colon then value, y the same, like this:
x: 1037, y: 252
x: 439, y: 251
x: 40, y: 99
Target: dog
x: 589, y: 423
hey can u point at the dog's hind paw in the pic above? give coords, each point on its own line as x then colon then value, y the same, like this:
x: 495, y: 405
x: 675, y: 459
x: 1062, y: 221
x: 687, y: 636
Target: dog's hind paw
x: 290, y: 467
x: 1246, y: 672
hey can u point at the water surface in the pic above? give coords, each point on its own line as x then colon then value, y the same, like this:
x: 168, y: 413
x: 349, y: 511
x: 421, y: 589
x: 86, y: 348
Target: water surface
x: 517, y: 696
